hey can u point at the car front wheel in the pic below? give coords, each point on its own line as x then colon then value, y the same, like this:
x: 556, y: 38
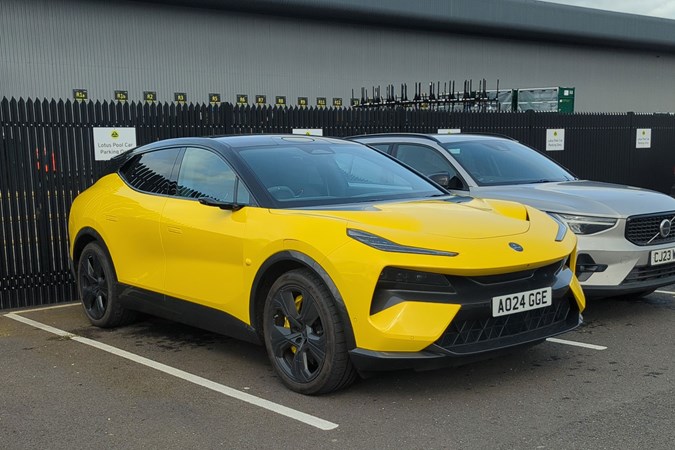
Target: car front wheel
x: 304, y: 336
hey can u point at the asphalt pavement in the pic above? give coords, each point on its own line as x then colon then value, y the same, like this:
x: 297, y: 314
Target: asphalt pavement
x: 156, y: 384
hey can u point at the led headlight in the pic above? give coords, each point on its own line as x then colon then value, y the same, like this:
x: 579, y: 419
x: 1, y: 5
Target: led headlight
x: 562, y: 228
x: 386, y: 245
x: 586, y: 224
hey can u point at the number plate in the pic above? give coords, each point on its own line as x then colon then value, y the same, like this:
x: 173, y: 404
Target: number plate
x: 521, y: 301
x: 664, y: 256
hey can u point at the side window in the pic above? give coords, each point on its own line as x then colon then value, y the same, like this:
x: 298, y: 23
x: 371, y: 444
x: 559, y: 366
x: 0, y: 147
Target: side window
x: 361, y: 171
x: 424, y: 159
x: 205, y: 174
x: 151, y: 172
x: 381, y: 147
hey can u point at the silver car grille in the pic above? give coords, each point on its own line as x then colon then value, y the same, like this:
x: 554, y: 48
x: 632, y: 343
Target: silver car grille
x: 647, y: 230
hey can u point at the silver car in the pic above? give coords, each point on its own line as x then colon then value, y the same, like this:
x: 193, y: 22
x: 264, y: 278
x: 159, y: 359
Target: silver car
x: 626, y: 245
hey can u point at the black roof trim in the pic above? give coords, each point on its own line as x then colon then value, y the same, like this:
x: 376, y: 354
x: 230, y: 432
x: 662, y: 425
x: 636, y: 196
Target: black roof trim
x: 429, y: 136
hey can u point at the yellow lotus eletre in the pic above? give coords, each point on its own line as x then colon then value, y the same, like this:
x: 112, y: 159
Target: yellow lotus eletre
x: 337, y: 257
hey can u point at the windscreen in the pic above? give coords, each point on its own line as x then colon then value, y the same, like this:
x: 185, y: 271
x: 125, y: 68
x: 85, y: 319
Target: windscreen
x: 317, y: 173
x: 501, y: 162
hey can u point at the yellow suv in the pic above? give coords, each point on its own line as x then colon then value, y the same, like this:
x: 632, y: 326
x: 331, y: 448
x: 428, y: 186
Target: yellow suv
x: 337, y: 257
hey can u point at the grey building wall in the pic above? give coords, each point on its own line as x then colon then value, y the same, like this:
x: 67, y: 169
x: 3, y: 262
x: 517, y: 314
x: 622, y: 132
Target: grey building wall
x: 47, y: 48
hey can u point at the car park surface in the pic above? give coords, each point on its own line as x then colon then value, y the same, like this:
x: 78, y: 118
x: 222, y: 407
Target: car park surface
x: 59, y: 392
x: 625, y: 241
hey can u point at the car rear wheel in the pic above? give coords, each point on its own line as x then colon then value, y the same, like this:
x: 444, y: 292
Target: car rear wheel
x: 304, y: 336
x: 96, y: 284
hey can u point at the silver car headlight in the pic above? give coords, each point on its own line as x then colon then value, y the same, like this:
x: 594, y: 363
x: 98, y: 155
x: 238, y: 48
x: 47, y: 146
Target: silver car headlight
x: 584, y: 225
x: 380, y: 243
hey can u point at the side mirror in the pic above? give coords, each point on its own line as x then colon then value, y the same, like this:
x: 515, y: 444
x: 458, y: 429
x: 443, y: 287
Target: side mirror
x: 442, y: 178
x: 208, y: 201
x: 447, y: 181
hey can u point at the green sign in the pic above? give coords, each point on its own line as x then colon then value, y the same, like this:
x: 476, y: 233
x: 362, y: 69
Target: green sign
x: 242, y: 99
x: 80, y: 94
x: 121, y: 96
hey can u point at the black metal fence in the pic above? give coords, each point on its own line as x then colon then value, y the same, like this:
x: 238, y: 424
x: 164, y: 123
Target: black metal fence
x: 47, y: 158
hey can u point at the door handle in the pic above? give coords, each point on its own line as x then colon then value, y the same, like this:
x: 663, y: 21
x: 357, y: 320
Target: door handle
x: 175, y: 230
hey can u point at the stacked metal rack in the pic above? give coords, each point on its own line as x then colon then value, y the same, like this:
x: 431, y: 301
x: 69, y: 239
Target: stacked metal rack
x: 449, y: 99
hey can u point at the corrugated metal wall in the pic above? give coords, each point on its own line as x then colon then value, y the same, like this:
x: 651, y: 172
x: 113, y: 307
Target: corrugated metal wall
x: 47, y: 48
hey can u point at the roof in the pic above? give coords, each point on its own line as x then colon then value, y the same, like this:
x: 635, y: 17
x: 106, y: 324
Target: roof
x: 432, y: 137
x: 237, y: 141
x: 515, y: 19
x: 273, y: 139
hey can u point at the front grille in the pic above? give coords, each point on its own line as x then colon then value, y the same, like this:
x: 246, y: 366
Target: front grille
x: 640, y: 230
x: 648, y: 273
x: 547, y: 271
x: 475, y: 335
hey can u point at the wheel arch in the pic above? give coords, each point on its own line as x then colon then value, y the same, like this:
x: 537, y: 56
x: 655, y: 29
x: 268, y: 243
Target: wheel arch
x: 281, y: 263
x: 84, y: 237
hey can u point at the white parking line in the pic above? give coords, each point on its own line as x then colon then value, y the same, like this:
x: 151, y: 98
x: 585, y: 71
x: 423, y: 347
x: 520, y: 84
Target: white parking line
x: 230, y: 392
x: 45, y: 308
x: 666, y: 292
x: 576, y: 344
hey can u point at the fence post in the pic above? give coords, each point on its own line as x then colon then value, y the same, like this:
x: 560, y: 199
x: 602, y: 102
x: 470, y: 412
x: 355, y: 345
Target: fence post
x: 228, y: 117
x: 628, y: 146
x: 399, y: 120
x: 529, y: 118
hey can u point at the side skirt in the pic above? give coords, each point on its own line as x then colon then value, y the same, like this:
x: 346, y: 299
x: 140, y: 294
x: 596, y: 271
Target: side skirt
x: 185, y: 312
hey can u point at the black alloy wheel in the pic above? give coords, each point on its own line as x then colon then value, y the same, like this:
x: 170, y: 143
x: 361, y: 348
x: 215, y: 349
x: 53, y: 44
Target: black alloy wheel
x: 304, y: 336
x: 96, y: 284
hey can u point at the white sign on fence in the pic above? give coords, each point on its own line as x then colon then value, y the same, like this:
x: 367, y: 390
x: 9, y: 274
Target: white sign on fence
x: 555, y: 139
x: 308, y: 131
x: 643, y: 138
x: 449, y: 130
x: 110, y: 142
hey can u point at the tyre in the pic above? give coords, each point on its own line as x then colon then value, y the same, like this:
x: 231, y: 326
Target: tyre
x: 304, y: 336
x: 96, y: 284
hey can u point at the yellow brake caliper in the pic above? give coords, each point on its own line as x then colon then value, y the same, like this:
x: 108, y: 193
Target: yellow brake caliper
x: 298, y: 302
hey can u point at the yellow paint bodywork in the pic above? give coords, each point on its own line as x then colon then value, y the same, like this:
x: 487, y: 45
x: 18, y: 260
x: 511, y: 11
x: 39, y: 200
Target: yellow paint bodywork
x: 211, y: 257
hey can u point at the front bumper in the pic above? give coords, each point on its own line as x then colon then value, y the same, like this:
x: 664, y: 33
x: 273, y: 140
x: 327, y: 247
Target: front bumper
x: 473, y: 333
x: 437, y: 356
x: 624, y: 268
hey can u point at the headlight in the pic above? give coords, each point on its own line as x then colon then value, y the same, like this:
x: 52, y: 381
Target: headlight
x: 386, y: 245
x: 562, y: 228
x: 586, y: 224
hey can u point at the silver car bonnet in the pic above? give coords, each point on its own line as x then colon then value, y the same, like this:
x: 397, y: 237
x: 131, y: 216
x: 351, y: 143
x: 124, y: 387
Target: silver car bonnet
x: 590, y: 198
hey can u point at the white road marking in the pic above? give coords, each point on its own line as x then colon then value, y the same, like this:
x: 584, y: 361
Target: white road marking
x: 666, y: 292
x: 45, y: 308
x: 195, y: 379
x: 577, y: 344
